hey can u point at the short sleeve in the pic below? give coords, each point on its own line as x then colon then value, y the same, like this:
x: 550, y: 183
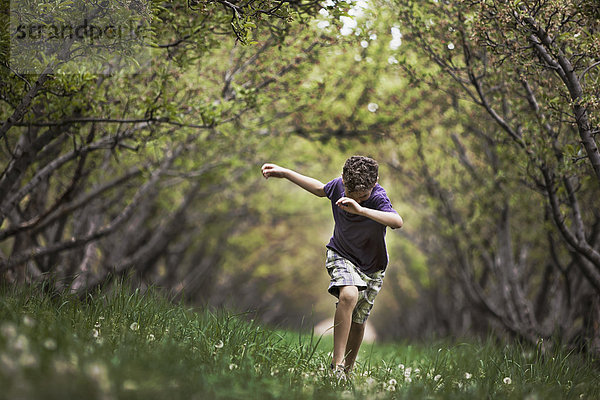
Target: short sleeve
x: 383, y: 203
x: 329, y: 188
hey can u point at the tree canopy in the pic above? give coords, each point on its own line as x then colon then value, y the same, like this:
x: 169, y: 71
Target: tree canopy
x: 141, y: 154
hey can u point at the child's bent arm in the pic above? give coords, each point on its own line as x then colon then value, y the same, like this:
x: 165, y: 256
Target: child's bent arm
x: 386, y: 218
x: 307, y: 183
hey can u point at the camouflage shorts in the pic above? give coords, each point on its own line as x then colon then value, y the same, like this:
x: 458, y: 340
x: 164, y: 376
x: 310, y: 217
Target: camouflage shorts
x: 344, y: 273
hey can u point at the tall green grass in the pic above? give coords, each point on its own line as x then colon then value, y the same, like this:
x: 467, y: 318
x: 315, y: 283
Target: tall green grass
x: 125, y: 344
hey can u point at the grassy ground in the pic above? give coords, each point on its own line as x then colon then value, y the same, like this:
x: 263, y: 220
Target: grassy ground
x: 128, y: 345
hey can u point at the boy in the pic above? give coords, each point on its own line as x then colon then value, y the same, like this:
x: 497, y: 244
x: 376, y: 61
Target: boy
x: 356, y: 254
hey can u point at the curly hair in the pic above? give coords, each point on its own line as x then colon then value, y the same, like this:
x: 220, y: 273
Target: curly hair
x: 360, y: 173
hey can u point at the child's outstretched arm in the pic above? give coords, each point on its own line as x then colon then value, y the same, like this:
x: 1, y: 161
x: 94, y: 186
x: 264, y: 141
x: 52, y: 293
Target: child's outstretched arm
x: 305, y: 182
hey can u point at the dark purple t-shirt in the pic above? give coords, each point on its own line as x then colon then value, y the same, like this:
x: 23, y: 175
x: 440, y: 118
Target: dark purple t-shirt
x: 357, y: 238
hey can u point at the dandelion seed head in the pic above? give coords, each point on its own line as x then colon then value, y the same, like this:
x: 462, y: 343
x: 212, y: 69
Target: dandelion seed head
x: 129, y: 385
x: 507, y: 380
x: 28, y: 321
x: 450, y: 46
x: 50, y: 344
x: 232, y: 366
x: 7, y: 365
x: 468, y: 375
x: 21, y: 343
x: 134, y: 326
x: 391, y: 388
x: 392, y: 382
x: 372, y: 107
x: 219, y: 344
x: 28, y: 360
x: 99, y: 373
x: 8, y: 330
x: 437, y: 377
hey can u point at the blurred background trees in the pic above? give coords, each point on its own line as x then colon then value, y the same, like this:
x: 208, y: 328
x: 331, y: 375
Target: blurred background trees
x: 483, y: 115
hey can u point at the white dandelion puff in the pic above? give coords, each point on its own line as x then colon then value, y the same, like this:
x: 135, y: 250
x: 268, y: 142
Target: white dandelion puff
x: 219, y: 344
x: 28, y: 321
x: 437, y: 377
x: 50, y: 344
x: 28, y: 360
x: 373, y: 107
x: 450, y: 46
x: 507, y: 380
x: 21, y: 344
x: 134, y: 326
x: 468, y: 375
x: 129, y: 385
x: 8, y: 330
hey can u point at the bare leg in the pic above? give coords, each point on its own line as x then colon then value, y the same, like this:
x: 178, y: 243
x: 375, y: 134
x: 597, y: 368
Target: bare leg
x: 342, y: 322
x: 357, y: 331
